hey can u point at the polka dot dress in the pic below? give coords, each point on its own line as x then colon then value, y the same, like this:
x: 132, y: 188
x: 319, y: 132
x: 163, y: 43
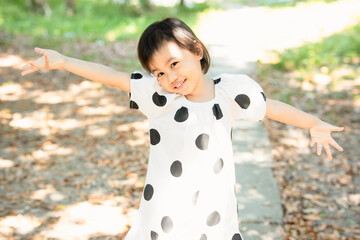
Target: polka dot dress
x: 189, y: 189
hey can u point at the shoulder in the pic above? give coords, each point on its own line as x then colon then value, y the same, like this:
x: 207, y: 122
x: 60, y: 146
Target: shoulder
x: 246, y: 95
x: 139, y: 75
x: 231, y: 77
x: 235, y: 81
x: 142, y: 82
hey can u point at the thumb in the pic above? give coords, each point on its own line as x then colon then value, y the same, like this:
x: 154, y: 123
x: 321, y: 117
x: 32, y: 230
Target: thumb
x: 337, y: 129
x: 39, y: 50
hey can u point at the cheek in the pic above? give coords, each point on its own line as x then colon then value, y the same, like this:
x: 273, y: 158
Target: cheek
x: 163, y: 84
x: 160, y: 83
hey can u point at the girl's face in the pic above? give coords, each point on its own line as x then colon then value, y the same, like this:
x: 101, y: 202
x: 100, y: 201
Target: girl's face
x: 177, y: 69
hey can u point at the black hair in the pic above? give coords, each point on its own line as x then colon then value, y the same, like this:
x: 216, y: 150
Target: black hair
x: 170, y: 30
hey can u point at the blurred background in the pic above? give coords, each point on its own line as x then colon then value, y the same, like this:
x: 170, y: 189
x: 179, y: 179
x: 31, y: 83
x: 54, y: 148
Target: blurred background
x: 73, y: 156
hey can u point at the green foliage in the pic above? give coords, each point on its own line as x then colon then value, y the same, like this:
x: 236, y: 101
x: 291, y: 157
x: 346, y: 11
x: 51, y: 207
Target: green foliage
x: 342, y: 48
x: 94, y: 20
x: 273, y: 3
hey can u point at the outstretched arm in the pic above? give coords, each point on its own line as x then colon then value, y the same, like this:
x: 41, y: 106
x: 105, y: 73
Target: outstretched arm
x: 99, y: 73
x: 319, y: 130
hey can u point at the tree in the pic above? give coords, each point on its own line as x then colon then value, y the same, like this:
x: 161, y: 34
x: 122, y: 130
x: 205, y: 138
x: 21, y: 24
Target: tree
x: 40, y: 6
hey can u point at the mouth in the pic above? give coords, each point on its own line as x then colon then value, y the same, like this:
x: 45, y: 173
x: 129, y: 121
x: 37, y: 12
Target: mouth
x: 179, y: 84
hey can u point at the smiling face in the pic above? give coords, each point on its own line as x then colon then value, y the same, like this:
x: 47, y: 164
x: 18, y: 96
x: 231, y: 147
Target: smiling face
x: 178, y: 70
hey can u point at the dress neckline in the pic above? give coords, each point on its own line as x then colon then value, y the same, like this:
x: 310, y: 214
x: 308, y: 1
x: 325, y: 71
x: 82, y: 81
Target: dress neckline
x: 205, y: 102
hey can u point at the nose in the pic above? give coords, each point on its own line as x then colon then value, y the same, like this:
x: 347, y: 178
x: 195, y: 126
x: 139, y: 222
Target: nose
x: 171, y: 77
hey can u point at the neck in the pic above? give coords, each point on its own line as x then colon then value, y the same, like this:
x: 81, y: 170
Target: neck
x: 204, y: 91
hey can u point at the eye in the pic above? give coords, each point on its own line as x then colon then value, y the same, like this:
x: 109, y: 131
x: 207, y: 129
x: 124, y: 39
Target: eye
x: 160, y: 74
x: 174, y: 64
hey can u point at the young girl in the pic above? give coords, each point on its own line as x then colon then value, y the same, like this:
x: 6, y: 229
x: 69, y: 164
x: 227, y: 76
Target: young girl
x: 189, y: 189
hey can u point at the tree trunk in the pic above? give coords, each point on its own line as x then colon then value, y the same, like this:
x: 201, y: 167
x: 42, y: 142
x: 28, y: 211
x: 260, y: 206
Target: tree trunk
x: 40, y: 6
x: 145, y: 4
x: 70, y: 7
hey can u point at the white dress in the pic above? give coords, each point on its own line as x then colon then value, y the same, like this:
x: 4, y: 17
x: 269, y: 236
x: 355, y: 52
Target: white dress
x: 189, y: 191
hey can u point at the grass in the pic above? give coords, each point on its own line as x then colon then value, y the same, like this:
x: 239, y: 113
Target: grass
x: 338, y: 49
x: 94, y: 20
x: 336, y: 58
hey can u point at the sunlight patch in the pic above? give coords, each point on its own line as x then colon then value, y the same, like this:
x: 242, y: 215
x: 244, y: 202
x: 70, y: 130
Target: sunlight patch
x: 5, y: 163
x: 24, y: 123
x: 51, y: 97
x: 50, y: 192
x: 97, y: 131
x: 21, y: 224
x: 85, y: 219
x: 11, y: 61
x: 11, y: 92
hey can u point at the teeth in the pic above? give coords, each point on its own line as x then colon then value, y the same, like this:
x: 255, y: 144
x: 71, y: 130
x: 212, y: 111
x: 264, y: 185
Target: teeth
x: 180, y: 84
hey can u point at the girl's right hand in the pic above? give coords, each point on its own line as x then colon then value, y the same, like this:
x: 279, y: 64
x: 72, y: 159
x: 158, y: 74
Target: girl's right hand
x: 50, y: 60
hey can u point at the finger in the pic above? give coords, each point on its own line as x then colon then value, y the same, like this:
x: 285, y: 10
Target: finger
x: 46, y: 60
x: 328, y: 151
x: 312, y: 143
x: 25, y: 69
x: 35, y: 64
x: 31, y: 70
x: 38, y: 63
x: 26, y: 66
x: 336, y: 145
x: 319, y: 148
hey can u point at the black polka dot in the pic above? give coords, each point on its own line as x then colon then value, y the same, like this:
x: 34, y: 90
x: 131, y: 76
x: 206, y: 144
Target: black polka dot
x: 195, y: 198
x: 154, y: 136
x: 181, y: 115
x: 154, y: 235
x: 159, y: 100
x: 133, y: 105
x: 213, y: 219
x: 148, y: 192
x: 166, y: 224
x: 219, y: 164
x: 136, y: 76
x: 202, y: 141
x: 237, y: 236
x: 217, y: 111
x: 176, y: 169
x: 216, y: 81
x: 263, y: 96
x: 203, y: 237
x: 243, y: 101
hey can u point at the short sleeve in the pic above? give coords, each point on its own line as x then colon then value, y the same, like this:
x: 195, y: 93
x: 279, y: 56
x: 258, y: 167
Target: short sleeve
x: 247, y: 98
x: 147, y: 96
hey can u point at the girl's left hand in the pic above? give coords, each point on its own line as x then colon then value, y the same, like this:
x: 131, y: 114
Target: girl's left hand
x: 320, y: 134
